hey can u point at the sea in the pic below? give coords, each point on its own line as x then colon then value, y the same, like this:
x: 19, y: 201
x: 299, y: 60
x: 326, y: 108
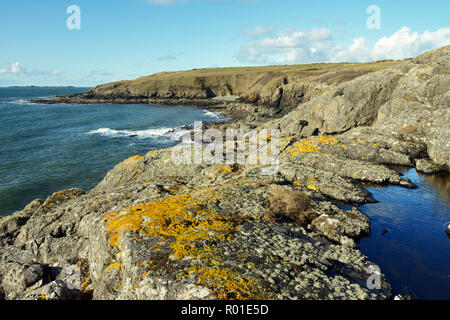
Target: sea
x: 45, y: 148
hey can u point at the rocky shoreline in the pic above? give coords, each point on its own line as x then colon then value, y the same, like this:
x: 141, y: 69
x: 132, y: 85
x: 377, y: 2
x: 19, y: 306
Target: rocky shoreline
x: 152, y: 229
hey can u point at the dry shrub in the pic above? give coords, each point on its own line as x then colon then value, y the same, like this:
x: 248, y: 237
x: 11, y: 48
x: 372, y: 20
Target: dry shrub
x: 293, y: 205
x: 411, y: 129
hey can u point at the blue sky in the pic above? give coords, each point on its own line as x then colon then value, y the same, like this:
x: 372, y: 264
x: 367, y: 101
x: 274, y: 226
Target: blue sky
x: 125, y: 39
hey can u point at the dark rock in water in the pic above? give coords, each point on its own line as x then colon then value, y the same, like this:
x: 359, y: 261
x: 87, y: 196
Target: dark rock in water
x: 447, y: 231
x: 385, y: 231
x: 407, y: 183
x: 132, y: 135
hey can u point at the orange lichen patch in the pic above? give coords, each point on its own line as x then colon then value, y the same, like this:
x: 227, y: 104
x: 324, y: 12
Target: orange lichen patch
x: 180, y: 217
x: 362, y: 142
x: 363, y: 158
x: 227, y: 284
x: 153, y: 152
x: 312, y: 145
x: 136, y: 174
x: 131, y: 161
x: 312, y: 187
x: 328, y: 140
x: 305, y: 146
x: 85, y: 283
x: 284, y: 143
x: 134, y: 159
x: 192, y: 230
x: 343, y: 147
x: 376, y: 144
x: 225, y: 169
x: 113, y: 266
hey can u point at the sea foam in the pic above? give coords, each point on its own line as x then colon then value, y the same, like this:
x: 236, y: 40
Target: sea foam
x: 172, y: 133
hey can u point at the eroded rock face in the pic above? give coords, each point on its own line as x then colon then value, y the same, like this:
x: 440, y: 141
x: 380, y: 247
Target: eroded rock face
x: 412, y: 99
x: 154, y: 229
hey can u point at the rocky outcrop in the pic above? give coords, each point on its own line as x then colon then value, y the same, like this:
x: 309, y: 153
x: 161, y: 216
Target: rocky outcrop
x: 280, y: 87
x: 154, y: 229
x: 411, y: 99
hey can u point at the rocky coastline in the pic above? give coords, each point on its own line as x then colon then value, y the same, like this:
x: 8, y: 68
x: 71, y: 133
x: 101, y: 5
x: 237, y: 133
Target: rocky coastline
x: 152, y: 229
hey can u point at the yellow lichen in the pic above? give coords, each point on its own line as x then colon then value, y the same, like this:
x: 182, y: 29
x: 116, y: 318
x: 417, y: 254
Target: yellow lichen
x: 153, y: 152
x: 191, y: 230
x: 311, y: 187
x: 343, y: 147
x: 225, y: 169
x: 136, y: 174
x: 328, y: 140
x: 113, y: 266
x: 133, y: 160
x: 181, y: 217
x: 304, y: 146
x: 312, y: 145
x: 227, y: 284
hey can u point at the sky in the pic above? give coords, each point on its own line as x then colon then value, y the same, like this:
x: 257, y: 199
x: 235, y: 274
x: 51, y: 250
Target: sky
x: 44, y: 43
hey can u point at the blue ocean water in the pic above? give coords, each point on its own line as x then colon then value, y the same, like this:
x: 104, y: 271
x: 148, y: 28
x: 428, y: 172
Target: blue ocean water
x: 408, y: 238
x: 46, y: 148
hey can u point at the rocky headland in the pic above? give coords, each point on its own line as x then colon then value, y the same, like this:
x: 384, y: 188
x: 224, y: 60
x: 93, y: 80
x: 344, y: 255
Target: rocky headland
x: 152, y: 229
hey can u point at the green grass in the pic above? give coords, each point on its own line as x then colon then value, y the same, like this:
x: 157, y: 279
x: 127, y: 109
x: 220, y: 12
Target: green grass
x: 243, y: 81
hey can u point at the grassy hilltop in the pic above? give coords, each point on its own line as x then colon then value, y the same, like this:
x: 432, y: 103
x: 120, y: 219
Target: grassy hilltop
x: 253, y: 84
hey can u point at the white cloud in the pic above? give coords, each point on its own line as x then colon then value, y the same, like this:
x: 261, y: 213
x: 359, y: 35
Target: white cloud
x: 260, y: 31
x: 403, y: 43
x: 317, y: 45
x: 13, y: 68
x: 16, y: 68
x: 358, y: 51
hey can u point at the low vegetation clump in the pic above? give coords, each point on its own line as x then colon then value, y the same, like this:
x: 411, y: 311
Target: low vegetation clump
x: 290, y: 205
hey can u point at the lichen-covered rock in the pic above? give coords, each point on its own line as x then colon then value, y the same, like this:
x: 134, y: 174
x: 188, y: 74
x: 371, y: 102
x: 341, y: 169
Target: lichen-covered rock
x: 411, y: 99
x: 55, y: 290
x: 155, y: 229
x: 184, y: 236
x: 428, y: 167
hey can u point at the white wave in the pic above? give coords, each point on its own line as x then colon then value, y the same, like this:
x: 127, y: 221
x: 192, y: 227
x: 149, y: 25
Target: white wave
x: 20, y: 101
x: 171, y: 133
x: 212, y: 114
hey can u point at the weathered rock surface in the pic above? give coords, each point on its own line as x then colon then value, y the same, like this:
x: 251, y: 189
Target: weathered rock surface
x: 411, y: 99
x: 154, y: 229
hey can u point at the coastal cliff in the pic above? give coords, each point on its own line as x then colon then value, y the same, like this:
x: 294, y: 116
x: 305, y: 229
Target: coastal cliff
x: 153, y: 229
